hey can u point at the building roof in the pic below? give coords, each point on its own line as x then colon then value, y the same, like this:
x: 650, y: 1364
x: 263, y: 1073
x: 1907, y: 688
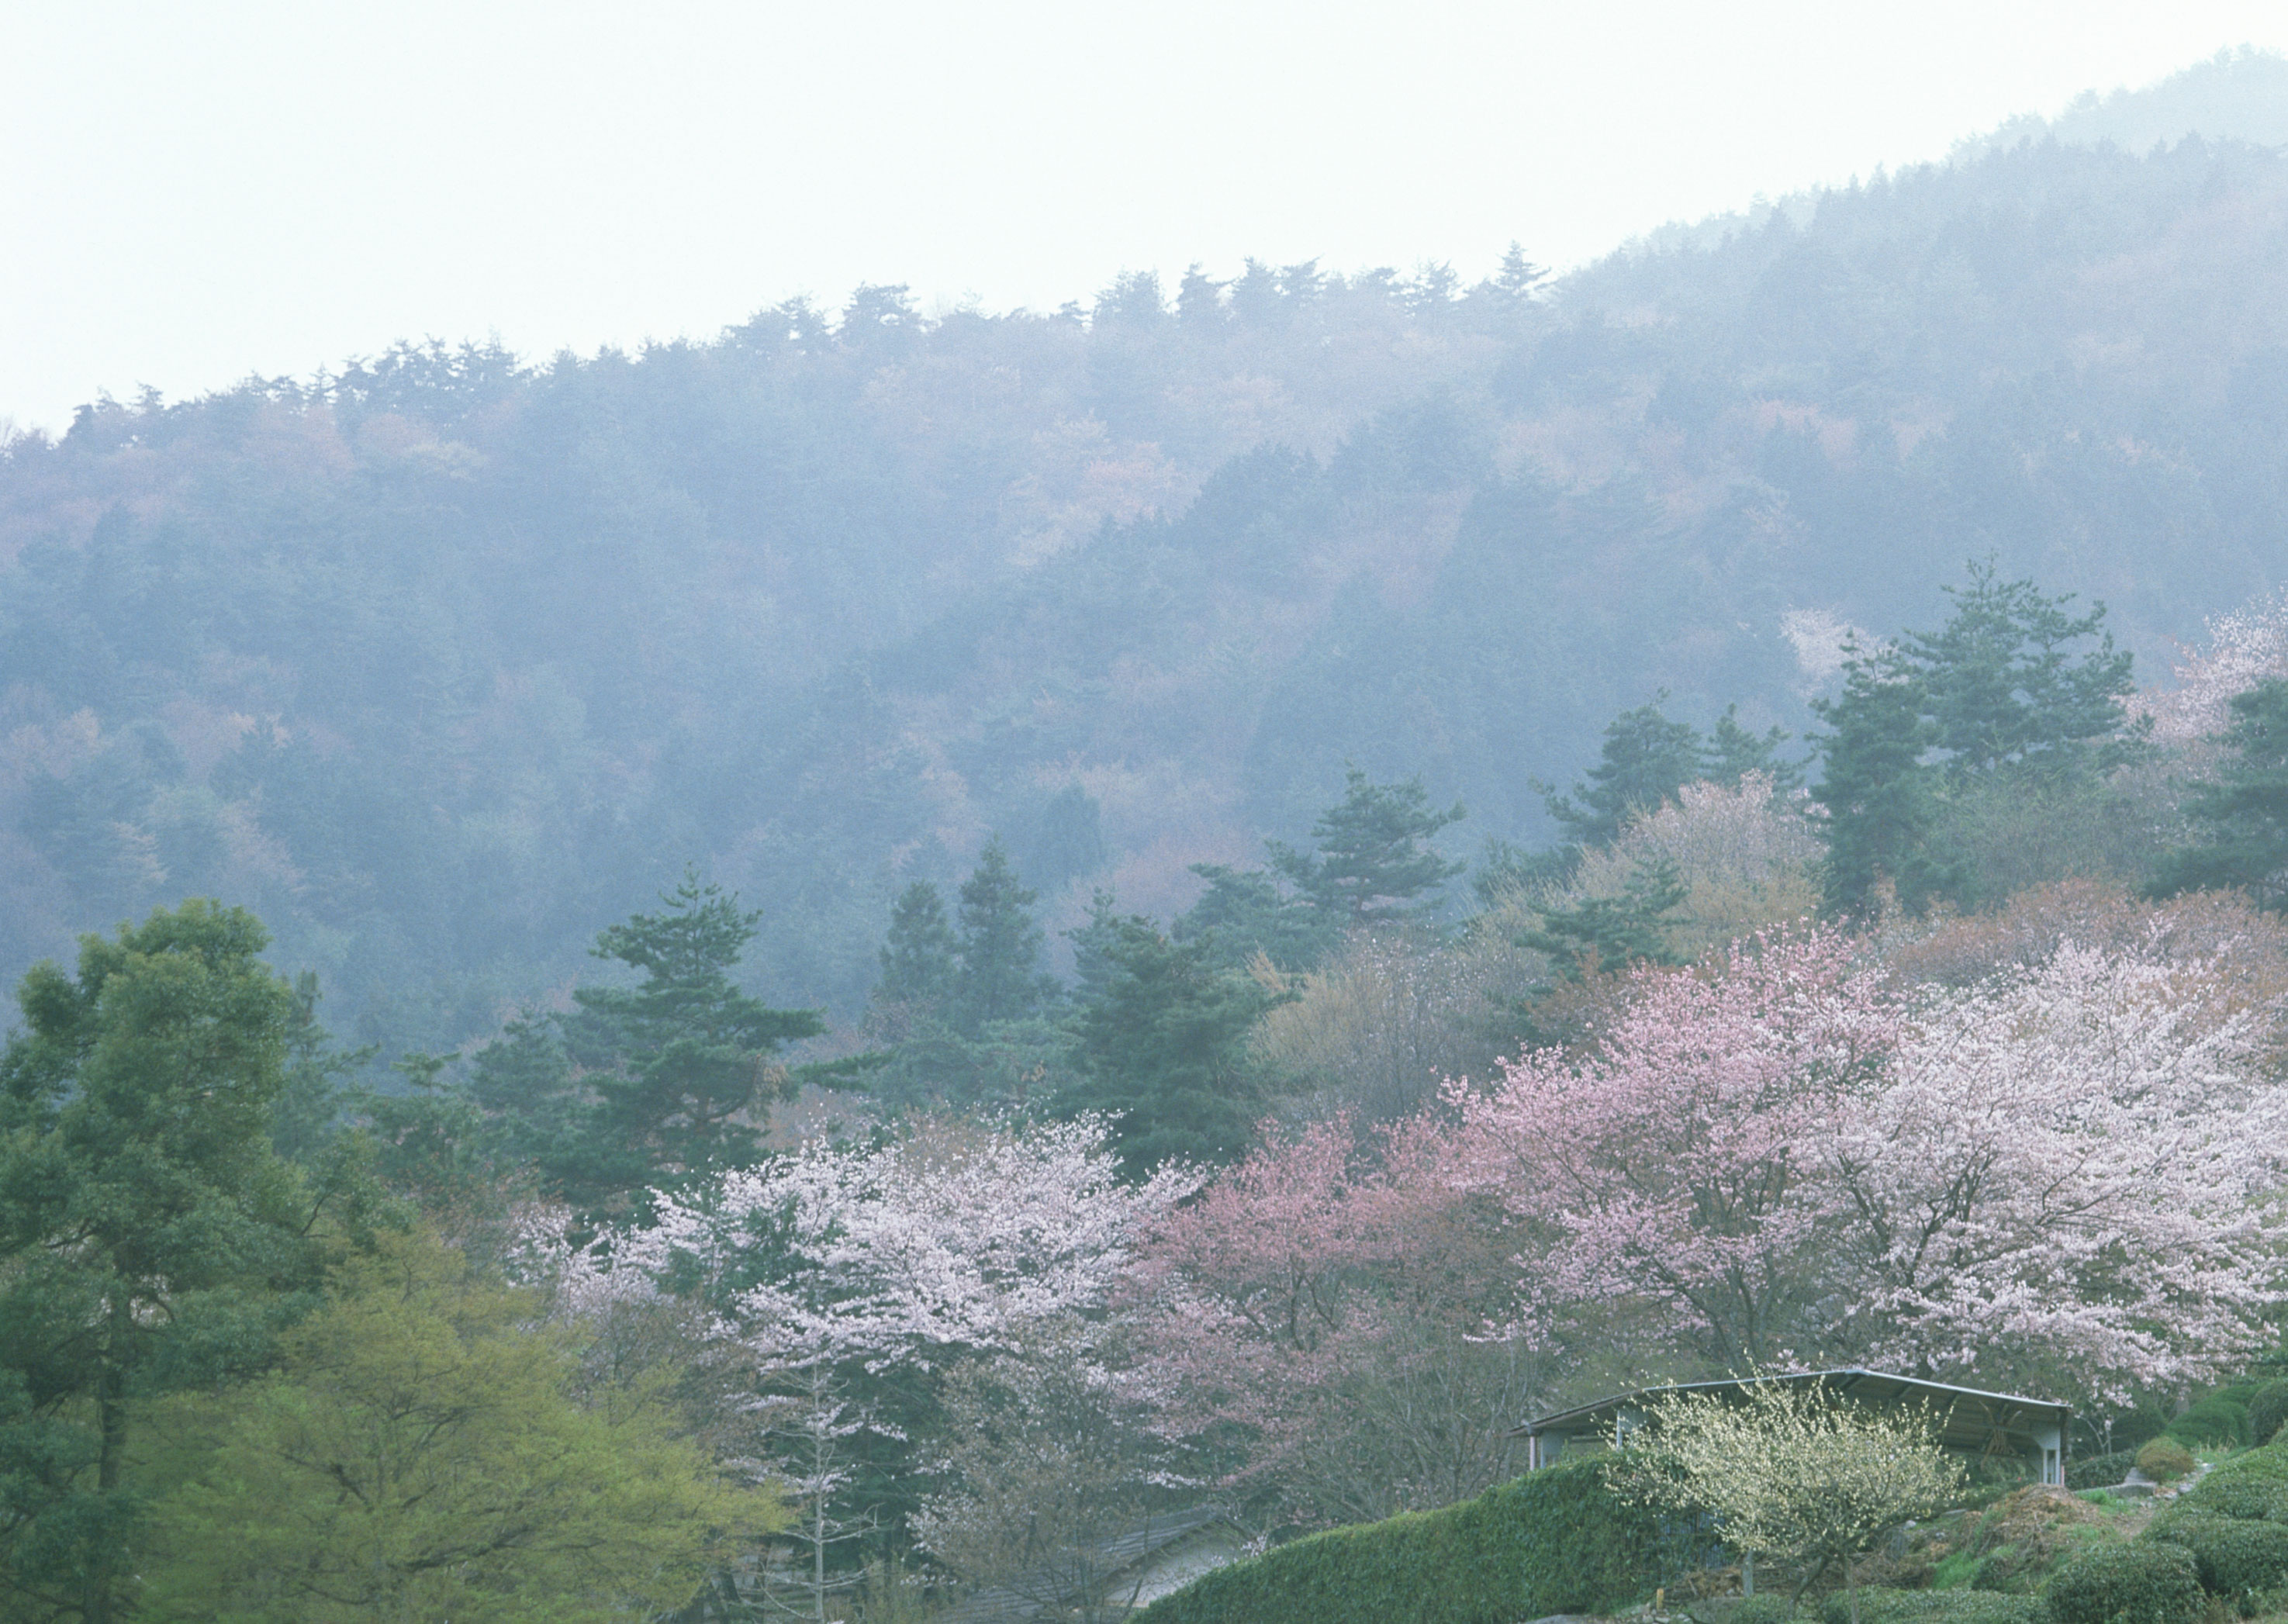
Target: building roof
x: 1971, y: 1419
x: 1028, y: 1595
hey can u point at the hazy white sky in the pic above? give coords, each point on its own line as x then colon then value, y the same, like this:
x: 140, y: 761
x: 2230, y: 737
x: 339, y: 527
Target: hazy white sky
x: 193, y: 193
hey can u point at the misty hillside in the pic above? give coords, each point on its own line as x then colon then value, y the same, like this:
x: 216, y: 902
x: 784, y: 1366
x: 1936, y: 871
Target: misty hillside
x: 442, y: 662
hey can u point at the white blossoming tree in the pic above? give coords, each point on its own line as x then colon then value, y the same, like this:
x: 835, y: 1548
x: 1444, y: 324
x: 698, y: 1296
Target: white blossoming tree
x: 849, y: 1279
x: 1791, y: 1471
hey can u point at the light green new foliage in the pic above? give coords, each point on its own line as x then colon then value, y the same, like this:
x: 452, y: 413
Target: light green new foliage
x: 425, y: 1452
x: 1796, y: 1473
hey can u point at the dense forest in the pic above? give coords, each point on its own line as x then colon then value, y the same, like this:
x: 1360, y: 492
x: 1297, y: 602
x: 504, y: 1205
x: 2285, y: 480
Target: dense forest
x: 445, y: 660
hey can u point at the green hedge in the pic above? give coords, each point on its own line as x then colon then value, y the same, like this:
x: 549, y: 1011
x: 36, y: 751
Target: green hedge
x: 2250, y: 1499
x: 2216, y: 1421
x: 1880, y: 1606
x: 2100, y: 1472
x: 2267, y: 1407
x: 2164, y: 1460
x: 2155, y: 1583
x: 2234, y: 1557
x: 1764, y: 1609
x: 2226, y: 1488
x: 1555, y: 1540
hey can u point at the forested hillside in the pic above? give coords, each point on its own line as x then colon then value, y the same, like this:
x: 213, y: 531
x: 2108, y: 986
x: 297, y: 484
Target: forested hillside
x: 444, y: 662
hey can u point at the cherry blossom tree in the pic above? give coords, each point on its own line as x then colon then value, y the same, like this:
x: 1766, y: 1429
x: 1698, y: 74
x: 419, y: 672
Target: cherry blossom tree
x: 849, y: 1279
x: 1314, y: 1323
x: 2074, y: 1167
x: 1673, y: 1163
x: 2246, y: 647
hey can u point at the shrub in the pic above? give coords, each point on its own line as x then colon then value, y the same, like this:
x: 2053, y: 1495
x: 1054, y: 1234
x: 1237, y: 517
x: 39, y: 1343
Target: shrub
x: 1761, y: 1610
x: 2100, y: 1472
x: 1556, y: 1540
x: 1880, y: 1606
x: 2215, y: 1421
x: 2146, y: 1584
x: 2235, y: 1559
x: 2164, y: 1460
x: 2267, y: 1409
x: 2248, y: 1498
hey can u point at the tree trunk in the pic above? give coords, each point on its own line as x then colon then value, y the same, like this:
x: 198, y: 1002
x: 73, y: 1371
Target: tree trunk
x: 111, y: 1426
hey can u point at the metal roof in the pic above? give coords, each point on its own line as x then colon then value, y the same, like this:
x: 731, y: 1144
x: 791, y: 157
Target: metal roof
x: 1972, y: 1419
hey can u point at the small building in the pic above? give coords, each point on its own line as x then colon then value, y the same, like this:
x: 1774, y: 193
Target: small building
x: 1160, y: 1554
x: 1969, y: 1421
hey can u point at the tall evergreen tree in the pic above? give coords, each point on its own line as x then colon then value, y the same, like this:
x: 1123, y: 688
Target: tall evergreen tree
x: 1161, y: 1050
x: 918, y: 956
x: 1732, y: 752
x: 2003, y: 690
x: 149, y: 1232
x: 1645, y: 760
x: 999, y: 944
x: 1873, y: 785
x: 677, y: 1067
x: 2243, y: 816
x: 1994, y: 703
x: 1372, y: 862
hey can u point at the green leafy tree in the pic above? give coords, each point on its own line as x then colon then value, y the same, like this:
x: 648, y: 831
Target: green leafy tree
x: 1161, y: 1050
x: 2241, y: 819
x: 1645, y: 759
x: 678, y: 1069
x: 428, y: 1448
x: 999, y: 944
x: 149, y: 1232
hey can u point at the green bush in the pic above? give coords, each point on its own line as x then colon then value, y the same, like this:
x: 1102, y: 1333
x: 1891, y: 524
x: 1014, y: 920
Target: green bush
x: 1880, y: 1606
x: 2216, y: 1421
x: 2267, y: 1409
x: 2145, y: 1583
x: 2164, y: 1460
x: 2250, y: 1499
x: 1766, y: 1609
x: 1555, y: 1540
x: 2100, y: 1472
x: 2236, y: 1558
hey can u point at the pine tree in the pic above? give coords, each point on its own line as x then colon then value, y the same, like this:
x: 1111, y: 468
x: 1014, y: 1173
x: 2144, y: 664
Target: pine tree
x: 1646, y: 759
x: 919, y: 963
x: 1161, y: 1050
x: 1611, y: 933
x: 999, y: 944
x: 1872, y: 784
x: 2243, y: 816
x: 1372, y: 865
x: 678, y: 1066
x: 2002, y: 692
x: 1732, y: 752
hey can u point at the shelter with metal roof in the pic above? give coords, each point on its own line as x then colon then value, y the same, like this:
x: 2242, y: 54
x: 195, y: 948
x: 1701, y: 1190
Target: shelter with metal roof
x: 1967, y: 1421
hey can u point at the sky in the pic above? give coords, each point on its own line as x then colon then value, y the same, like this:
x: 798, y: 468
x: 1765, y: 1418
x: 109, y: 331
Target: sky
x: 195, y: 193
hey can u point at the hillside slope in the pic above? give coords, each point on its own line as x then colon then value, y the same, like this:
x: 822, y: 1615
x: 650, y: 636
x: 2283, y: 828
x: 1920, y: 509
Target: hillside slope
x: 444, y: 662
